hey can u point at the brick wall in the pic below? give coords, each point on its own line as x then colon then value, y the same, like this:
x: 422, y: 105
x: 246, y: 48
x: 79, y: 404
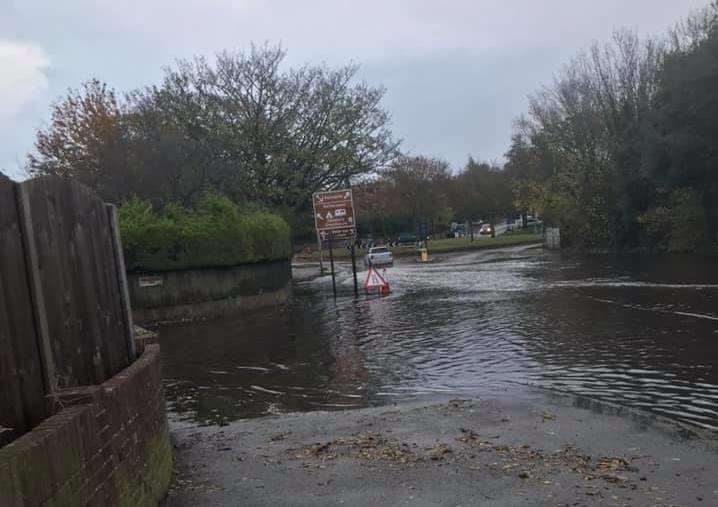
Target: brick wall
x: 106, y: 445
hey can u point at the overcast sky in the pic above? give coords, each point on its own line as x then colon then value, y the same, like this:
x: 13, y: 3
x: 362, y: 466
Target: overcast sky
x: 457, y: 72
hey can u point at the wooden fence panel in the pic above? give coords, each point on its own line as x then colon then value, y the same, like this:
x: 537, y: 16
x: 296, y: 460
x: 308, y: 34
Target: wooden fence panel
x: 75, y: 259
x: 22, y: 387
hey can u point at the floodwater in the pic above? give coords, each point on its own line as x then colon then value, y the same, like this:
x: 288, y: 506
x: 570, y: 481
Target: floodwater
x: 636, y: 331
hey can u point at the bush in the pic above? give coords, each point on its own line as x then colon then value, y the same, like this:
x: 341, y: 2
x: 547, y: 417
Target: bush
x: 212, y: 234
x: 678, y: 227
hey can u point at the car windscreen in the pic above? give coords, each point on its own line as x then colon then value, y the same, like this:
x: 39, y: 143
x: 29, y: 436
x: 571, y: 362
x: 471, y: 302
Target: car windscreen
x: 379, y: 250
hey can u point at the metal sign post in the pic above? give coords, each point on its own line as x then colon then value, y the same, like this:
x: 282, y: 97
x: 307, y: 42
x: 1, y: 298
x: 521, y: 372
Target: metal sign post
x: 354, y: 269
x: 334, y: 219
x: 331, y: 261
x: 321, y: 255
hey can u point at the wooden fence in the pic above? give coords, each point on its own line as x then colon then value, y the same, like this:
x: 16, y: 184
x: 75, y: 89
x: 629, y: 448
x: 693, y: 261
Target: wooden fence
x: 65, y: 317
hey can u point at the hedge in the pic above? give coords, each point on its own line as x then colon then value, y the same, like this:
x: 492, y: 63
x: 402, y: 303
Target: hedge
x: 211, y: 234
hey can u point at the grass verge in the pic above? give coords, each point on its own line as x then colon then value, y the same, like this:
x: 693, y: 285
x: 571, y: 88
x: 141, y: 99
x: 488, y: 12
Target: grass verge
x: 436, y: 246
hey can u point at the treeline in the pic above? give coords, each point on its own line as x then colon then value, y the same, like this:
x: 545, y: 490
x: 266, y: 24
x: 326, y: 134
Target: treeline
x: 242, y: 125
x: 420, y: 193
x: 621, y: 151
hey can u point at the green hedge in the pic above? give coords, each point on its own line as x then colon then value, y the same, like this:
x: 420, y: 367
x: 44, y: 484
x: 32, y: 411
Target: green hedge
x: 214, y: 233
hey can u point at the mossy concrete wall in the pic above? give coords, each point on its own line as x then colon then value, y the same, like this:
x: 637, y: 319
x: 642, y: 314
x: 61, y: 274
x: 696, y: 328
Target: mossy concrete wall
x: 107, y: 445
x: 211, y: 292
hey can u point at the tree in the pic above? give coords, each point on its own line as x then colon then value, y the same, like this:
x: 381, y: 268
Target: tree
x: 241, y: 125
x: 416, y: 190
x: 261, y: 133
x: 86, y: 140
x: 373, y: 205
x: 528, y: 168
x: 683, y: 148
x: 482, y: 191
x: 588, y: 127
x: 628, y: 130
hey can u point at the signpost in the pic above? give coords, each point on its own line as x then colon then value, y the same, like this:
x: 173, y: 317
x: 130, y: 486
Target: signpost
x: 334, y: 211
x: 334, y: 219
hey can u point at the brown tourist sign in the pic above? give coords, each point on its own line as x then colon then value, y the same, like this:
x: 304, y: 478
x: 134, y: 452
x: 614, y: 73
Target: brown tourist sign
x: 334, y: 214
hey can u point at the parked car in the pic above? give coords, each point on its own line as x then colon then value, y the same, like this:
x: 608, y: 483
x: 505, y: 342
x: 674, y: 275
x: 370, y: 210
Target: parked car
x: 514, y: 223
x: 378, y: 256
x: 531, y: 221
x: 456, y: 231
x: 486, y: 229
x: 406, y: 239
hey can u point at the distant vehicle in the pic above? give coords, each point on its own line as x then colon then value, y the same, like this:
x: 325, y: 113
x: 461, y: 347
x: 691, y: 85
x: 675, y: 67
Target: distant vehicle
x: 378, y: 256
x: 517, y: 223
x: 486, y: 229
x: 457, y: 230
x: 406, y: 239
x: 532, y: 221
x: 513, y: 224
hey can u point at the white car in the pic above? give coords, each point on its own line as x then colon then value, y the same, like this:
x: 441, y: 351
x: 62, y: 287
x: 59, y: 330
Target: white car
x: 378, y: 256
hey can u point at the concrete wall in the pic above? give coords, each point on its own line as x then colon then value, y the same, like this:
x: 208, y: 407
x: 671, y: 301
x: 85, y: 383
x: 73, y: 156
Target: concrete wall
x: 107, y: 445
x: 188, y: 294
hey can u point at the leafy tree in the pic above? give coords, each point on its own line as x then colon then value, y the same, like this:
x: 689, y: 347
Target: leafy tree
x: 415, y: 190
x: 258, y: 132
x: 679, y: 225
x: 482, y: 191
x: 86, y: 140
x: 374, y: 209
x: 683, y: 152
x: 620, y: 150
x: 529, y: 168
x: 242, y: 125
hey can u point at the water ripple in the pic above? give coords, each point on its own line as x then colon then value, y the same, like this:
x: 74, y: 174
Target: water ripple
x: 634, y: 332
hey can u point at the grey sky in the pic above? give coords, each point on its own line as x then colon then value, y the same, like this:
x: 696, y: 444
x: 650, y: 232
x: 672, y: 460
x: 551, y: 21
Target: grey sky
x: 457, y: 72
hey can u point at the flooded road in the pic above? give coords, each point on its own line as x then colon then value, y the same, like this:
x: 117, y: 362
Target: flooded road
x: 639, y: 332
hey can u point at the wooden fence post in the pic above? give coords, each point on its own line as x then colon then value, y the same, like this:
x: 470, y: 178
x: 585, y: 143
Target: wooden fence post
x: 38, y: 299
x: 122, y: 281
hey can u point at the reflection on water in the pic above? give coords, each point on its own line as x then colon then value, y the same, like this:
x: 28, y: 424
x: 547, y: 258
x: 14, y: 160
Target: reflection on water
x: 634, y: 331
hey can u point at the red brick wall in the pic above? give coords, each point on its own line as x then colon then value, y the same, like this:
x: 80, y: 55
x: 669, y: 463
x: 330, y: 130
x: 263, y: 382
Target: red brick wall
x: 106, y: 445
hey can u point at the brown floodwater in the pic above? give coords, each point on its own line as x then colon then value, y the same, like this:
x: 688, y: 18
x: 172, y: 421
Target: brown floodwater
x: 636, y: 331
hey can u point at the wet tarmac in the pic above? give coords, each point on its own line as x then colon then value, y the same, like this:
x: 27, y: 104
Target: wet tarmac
x: 526, y: 449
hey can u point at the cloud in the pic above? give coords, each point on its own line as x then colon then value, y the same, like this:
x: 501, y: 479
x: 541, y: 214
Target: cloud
x: 22, y: 76
x: 23, y: 89
x: 457, y: 72
x: 343, y: 29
